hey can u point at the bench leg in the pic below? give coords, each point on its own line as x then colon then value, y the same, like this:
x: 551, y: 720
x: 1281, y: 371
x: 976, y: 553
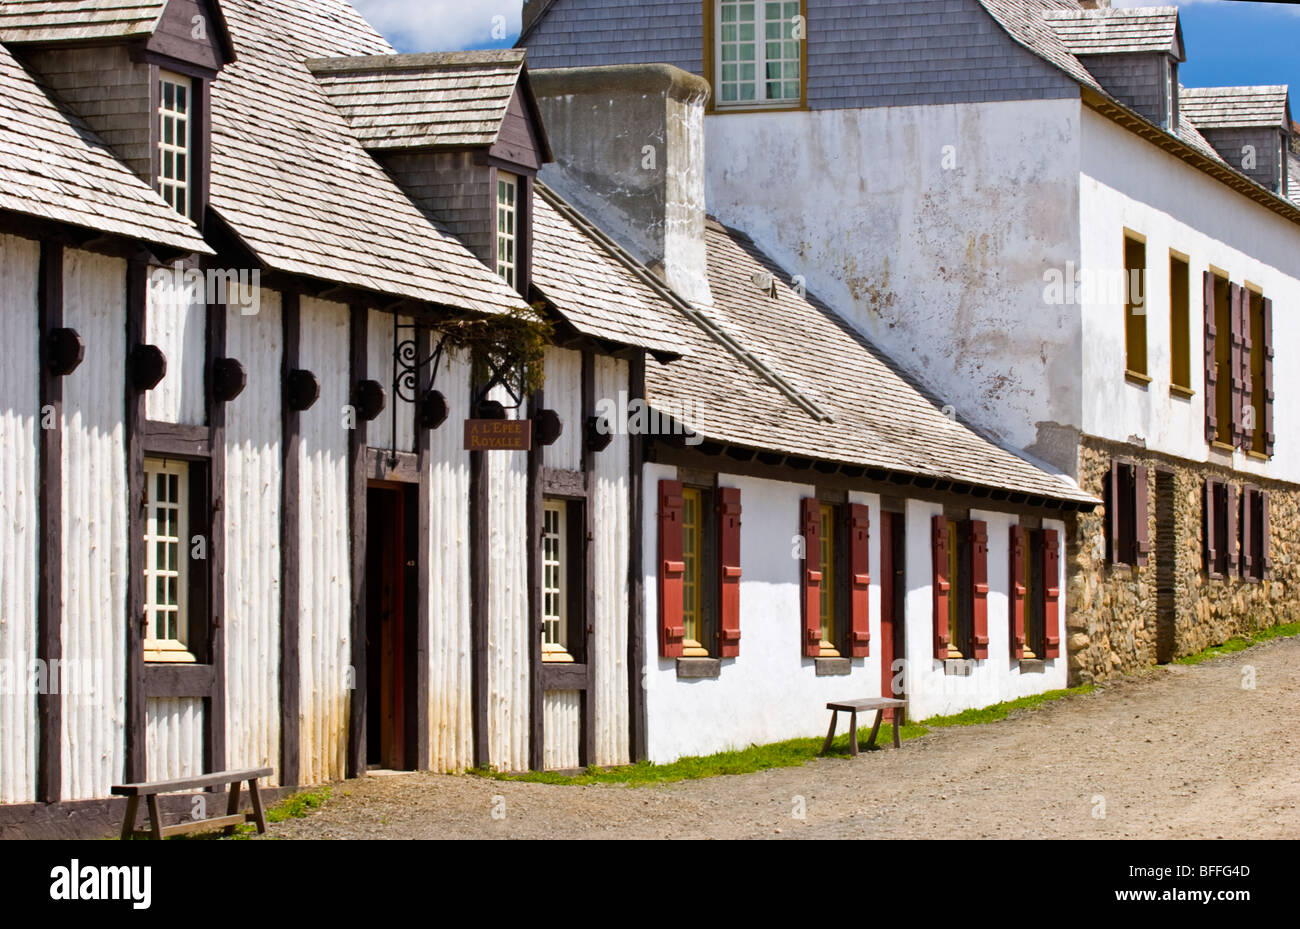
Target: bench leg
x: 871, y: 742
x: 232, y: 806
x: 830, y: 736
x: 853, y: 734
x: 259, y: 816
x: 128, y: 824
x: 155, y: 817
x: 898, y: 724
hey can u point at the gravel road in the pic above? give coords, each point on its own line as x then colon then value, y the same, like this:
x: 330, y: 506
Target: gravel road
x: 1176, y: 752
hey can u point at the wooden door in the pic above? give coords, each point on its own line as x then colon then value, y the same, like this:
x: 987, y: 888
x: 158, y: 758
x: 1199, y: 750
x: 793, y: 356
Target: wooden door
x: 893, y: 589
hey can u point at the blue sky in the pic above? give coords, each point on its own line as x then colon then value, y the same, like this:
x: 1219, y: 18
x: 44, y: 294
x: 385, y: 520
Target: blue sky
x: 1228, y: 41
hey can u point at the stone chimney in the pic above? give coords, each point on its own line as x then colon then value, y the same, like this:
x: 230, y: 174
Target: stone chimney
x: 629, y: 153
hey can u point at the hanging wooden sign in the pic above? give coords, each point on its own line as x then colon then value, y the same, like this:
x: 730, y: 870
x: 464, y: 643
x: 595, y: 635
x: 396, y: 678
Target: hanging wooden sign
x: 498, y: 435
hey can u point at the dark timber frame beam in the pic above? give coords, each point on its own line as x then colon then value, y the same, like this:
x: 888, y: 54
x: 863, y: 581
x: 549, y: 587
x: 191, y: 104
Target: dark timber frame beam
x: 290, y: 517
x: 636, y: 577
x: 49, y: 610
x: 358, y: 445
x: 536, y: 692
x: 137, y: 304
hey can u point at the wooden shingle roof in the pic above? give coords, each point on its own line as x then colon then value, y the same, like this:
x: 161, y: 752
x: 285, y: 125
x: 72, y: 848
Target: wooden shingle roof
x: 1236, y: 107
x: 292, y: 181
x: 52, y: 166
x: 23, y: 21
x: 443, y: 100
x: 593, y: 283
x: 810, y: 386
x: 1293, y: 178
x: 1114, y: 31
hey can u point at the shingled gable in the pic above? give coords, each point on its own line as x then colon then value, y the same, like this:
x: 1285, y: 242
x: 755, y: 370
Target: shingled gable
x: 1111, y: 31
x: 55, y: 169
x: 440, y: 102
x: 296, y: 188
x: 166, y: 28
x: 1265, y: 107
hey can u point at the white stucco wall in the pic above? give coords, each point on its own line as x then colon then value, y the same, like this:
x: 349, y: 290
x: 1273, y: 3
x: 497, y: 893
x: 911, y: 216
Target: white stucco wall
x: 771, y: 692
x: 1125, y: 182
x: 942, y: 267
x: 176, y: 321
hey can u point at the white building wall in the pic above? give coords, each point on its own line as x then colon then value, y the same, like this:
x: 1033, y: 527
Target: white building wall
x: 613, y: 530
x: 19, y: 506
x: 174, y: 729
x: 930, y: 229
x: 509, y: 640
x: 380, y: 366
x: 1125, y: 182
x: 95, y: 525
x: 325, y: 544
x: 252, y: 512
x: 564, y: 395
x: 771, y: 692
x: 445, y: 554
x: 932, y: 692
x: 562, y: 729
x: 176, y: 322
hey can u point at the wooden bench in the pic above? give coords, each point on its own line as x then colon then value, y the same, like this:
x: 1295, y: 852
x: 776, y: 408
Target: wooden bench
x: 151, y: 791
x: 879, y: 704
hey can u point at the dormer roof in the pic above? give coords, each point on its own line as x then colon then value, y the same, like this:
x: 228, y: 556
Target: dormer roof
x: 160, y: 24
x: 1238, y: 107
x: 442, y: 101
x: 1119, y: 31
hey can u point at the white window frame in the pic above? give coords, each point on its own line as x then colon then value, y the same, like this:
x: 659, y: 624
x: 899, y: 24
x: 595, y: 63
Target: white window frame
x: 555, y: 581
x: 760, y: 61
x: 508, y: 187
x: 174, y: 185
x: 158, y: 644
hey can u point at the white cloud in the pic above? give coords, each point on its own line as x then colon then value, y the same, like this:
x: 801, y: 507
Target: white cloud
x: 443, y: 25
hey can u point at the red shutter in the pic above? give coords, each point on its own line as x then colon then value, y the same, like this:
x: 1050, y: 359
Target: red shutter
x: 1141, y: 508
x: 860, y: 592
x: 1235, y: 295
x: 1051, y: 593
x: 810, y: 525
x: 1249, y: 421
x: 728, y: 572
x: 1211, y: 369
x: 942, y: 585
x: 979, y: 582
x: 672, y: 570
x: 1265, y: 552
x: 1231, y: 540
x: 1248, y: 496
x: 1114, y: 496
x: 1266, y: 401
x: 1210, y: 551
x: 1018, y: 538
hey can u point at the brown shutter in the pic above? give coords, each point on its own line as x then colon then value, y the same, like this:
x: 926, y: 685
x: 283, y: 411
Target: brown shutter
x: 1235, y: 295
x: 1248, y: 424
x: 1141, y: 508
x: 1248, y: 495
x: 1114, y: 496
x: 860, y: 591
x: 1211, y: 370
x: 672, y: 570
x: 1018, y: 539
x: 1266, y: 401
x: 1210, y: 550
x: 1265, y: 551
x: 728, y: 572
x: 1231, y: 540
x: 979, y: 582
x: 810, y: 525
x: 942, y: 585
x: 1051, y: 593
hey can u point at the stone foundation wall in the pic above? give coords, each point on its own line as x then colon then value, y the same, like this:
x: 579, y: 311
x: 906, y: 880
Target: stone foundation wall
x: 1112, y: 611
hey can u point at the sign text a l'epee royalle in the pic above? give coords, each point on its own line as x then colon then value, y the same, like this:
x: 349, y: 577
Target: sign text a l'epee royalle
x: 498, y: 435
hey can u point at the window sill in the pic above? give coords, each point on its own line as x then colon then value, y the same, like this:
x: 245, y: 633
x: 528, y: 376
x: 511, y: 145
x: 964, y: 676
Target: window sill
x: 699, y: 669
x: 1137, y: 379
x: 1257, y: 456
x: 152, y: 656
x: 1224, y: 447
x: 727, y: 108
x: 1182, y: 393
x: 834, y: 667
x: 1033, y: 666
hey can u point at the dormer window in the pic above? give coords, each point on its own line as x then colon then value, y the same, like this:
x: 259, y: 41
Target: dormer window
x: 507, y: 227
x: 175, y: 139
x: 758, y: 53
